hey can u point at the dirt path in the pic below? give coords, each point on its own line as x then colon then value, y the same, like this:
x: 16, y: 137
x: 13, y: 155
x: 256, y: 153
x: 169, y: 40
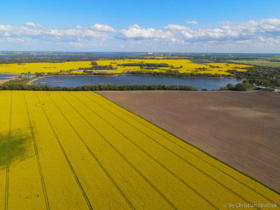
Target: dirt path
x: 3, y: 81
x: 33, y: 80
x: 240, y: 128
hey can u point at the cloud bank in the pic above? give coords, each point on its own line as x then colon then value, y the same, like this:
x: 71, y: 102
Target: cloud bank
x: 253, y: 32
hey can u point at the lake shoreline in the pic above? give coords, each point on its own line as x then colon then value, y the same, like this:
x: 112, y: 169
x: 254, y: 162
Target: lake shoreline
x: 7, y: 79
x: 72, y: 75
x: 123, y: 79
x: 33, y: 80
x: 116, y: 75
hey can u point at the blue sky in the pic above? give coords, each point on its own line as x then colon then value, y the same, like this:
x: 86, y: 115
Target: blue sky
x: 146, y: 25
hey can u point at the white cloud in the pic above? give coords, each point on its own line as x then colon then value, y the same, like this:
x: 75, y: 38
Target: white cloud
x: 235, y: 32
x: 91, y: 33
x: 265, y: 32
x: 176, y: 28
x: 271, y: 21
x: 137, y: 32
x: 40, y: 33
x: 192, y: 22
x: 102, y: 28
x: 35, y: 25
x: 187, y: 35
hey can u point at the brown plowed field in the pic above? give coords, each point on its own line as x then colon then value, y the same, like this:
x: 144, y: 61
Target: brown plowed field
x: 241, y: 129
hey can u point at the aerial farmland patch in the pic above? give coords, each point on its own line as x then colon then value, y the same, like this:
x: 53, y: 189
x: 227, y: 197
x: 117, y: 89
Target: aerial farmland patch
x: 122, y: 66
x: 143, y: 105
x: 84, y: 152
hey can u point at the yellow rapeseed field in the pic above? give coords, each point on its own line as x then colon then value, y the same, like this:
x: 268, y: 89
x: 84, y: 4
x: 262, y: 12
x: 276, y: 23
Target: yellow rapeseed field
x: 180, y: 65
x: 43, y: 67
x: 78, y: 150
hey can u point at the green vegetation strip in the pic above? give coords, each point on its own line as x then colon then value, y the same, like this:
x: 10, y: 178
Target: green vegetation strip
x: 94, y: 87
x: 258, y: 63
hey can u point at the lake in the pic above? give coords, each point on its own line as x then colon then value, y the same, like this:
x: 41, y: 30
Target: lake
x: 198, y: 83
x: 6, y: 76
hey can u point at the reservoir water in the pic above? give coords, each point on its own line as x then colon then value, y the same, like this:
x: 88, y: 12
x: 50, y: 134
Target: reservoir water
x: 198, y: 83
x: 6, y: 76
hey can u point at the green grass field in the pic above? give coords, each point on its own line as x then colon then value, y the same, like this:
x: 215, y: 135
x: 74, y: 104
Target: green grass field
x: 257, y: 62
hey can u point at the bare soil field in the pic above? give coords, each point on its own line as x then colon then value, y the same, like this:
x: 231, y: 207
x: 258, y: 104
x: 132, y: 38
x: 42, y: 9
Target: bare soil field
x: 241, y: 129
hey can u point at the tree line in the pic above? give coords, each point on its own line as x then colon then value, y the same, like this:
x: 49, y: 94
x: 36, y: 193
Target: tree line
x: 261, y: 76
x: 238, y: 87
x: 170, y: 73
x: 94, y: 87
